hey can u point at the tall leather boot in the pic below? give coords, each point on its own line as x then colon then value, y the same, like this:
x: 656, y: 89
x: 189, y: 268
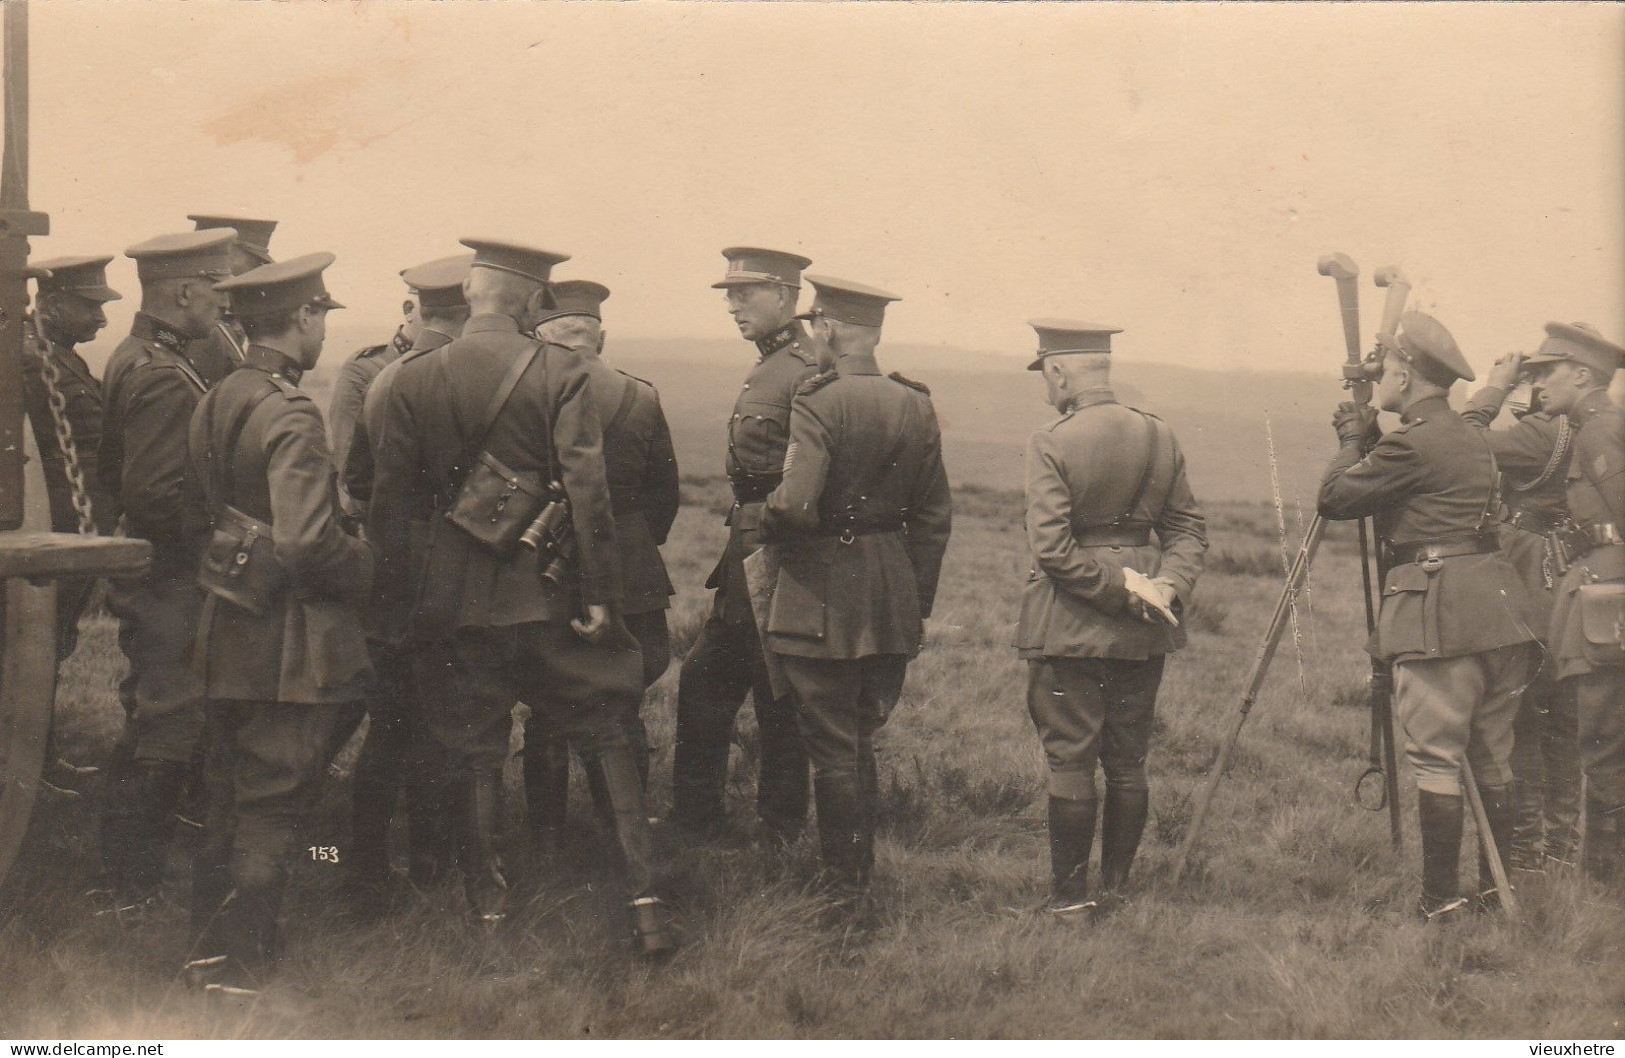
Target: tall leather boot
x: 1501, y: 810
x: 1526, y: 848
x: 252, y: 921
x: 1602, y: 842
x: 615, y: 772
x: 1562, y: 749
x: 547, y: 790
x: 373, y: 792
x: 1071, y: 837
x: 118, y: 812
x: 1440, y: 818
x: 483, y: 882
x: 841, y: 838
x: 157, y: 788
x: 429, y: 812
x: 1121, y: 825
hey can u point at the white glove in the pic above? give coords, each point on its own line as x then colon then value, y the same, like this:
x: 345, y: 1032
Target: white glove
x: 1154, y: 597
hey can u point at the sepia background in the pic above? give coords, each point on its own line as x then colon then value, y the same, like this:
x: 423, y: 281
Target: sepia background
x: 1173, y: 170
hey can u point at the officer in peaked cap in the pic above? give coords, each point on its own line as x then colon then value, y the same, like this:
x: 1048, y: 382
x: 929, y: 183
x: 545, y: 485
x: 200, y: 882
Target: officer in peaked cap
x: 860, y: 523
x: 399, y: 757
x: 151, y: 385
x: 225, y: 347
x: 1573, y: 369
x: 643, y: 491
x: 1456, y: 619
x: 1117, y: 542
x: 1533, y: 455
x: 70, y: 293
x: 486, y: 629
x: 725, y: 662
x: 280, y: 642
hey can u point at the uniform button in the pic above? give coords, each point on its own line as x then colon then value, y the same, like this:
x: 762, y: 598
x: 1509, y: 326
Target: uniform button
x: 745, y: 386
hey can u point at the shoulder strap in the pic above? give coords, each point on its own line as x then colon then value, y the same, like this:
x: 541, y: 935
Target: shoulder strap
x: 222, y: 461
x: 629, y: 397
x: 493, y: 408
x: 1154, y: 445
x: 1493, y: 506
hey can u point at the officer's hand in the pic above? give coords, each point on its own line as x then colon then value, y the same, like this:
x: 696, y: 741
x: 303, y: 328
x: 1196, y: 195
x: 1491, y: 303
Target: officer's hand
x: 1149, y: 600
x: 1354, y: 423
x: 594, y: 625
x: 1504, y: 375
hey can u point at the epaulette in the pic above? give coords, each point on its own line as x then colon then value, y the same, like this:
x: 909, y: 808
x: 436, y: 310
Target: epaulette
x: 1405, y: 427
x: 816, y: 383
x: 635, y: 378
x: 1539, y: 416
x: 1062, y: 419
x: 289, y: 390
x: 1142, y: 411
x: 371, y: 350
x: 910, y: 383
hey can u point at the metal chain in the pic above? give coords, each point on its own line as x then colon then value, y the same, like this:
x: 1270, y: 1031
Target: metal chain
x: 64, y: 435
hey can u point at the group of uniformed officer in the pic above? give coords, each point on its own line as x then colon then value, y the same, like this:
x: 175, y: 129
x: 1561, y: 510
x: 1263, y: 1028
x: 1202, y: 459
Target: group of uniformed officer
x: 485, y: 531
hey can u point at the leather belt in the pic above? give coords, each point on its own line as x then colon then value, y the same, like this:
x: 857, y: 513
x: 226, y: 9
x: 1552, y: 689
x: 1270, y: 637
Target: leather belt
x: 754, y: 488
x: 1111, y: 536
x: 1443, y: 547
x: 1535, y: 519
x: 849, y: 532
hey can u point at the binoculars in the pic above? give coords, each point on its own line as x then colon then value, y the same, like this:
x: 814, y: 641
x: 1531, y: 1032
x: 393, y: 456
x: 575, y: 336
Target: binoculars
x: 552, y: 535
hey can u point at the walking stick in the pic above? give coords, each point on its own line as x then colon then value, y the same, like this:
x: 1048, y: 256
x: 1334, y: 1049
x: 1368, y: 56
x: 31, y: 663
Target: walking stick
x: 1486, y: 840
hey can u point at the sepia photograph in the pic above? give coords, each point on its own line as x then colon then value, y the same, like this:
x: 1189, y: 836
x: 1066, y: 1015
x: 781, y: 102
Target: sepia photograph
x: 812, y: 519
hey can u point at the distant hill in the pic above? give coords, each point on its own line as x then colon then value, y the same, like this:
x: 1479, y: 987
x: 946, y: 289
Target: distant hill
x: 988, y: 405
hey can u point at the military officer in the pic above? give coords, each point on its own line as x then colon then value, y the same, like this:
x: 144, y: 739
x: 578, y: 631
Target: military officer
x: 725, y: 662
x: 474, y: 433
x: 398, y: 757
x: 643, y: 491
x: 1117, y: 542
x: 861, y: 521
x: 350, y: 393
x: 1573, y: 368
x: 68, y: 312
x: 151, y: 387
x: 226, y: 346
x: 1455, y: 619
x: 280, y: 644
x: 1533, y: 456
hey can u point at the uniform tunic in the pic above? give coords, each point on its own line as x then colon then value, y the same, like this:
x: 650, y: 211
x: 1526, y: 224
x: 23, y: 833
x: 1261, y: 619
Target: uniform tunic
x: 1455, y: 627
x: 308, y: 647
x: 1533, y: 455
x: 1100, y: 480
x: 861, y: 519
x: 344, y: 408
x: 1596, y: 494
x: 150, y: 389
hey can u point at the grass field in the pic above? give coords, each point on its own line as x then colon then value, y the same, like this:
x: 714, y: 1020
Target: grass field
x: 1295, y: 922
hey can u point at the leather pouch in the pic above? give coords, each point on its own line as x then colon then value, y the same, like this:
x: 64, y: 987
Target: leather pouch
x: 496, y: 504
x: 239, y: 563
x: 1602, y: 620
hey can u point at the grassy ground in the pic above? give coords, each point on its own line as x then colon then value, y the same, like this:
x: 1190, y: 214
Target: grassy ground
x: 1295, y: 922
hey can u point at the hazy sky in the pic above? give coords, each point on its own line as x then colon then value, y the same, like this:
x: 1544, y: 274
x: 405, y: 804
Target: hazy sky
x: 1173, y: 170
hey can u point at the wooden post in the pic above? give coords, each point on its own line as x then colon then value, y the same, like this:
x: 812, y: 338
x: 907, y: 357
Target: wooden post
x: 16, y: 225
